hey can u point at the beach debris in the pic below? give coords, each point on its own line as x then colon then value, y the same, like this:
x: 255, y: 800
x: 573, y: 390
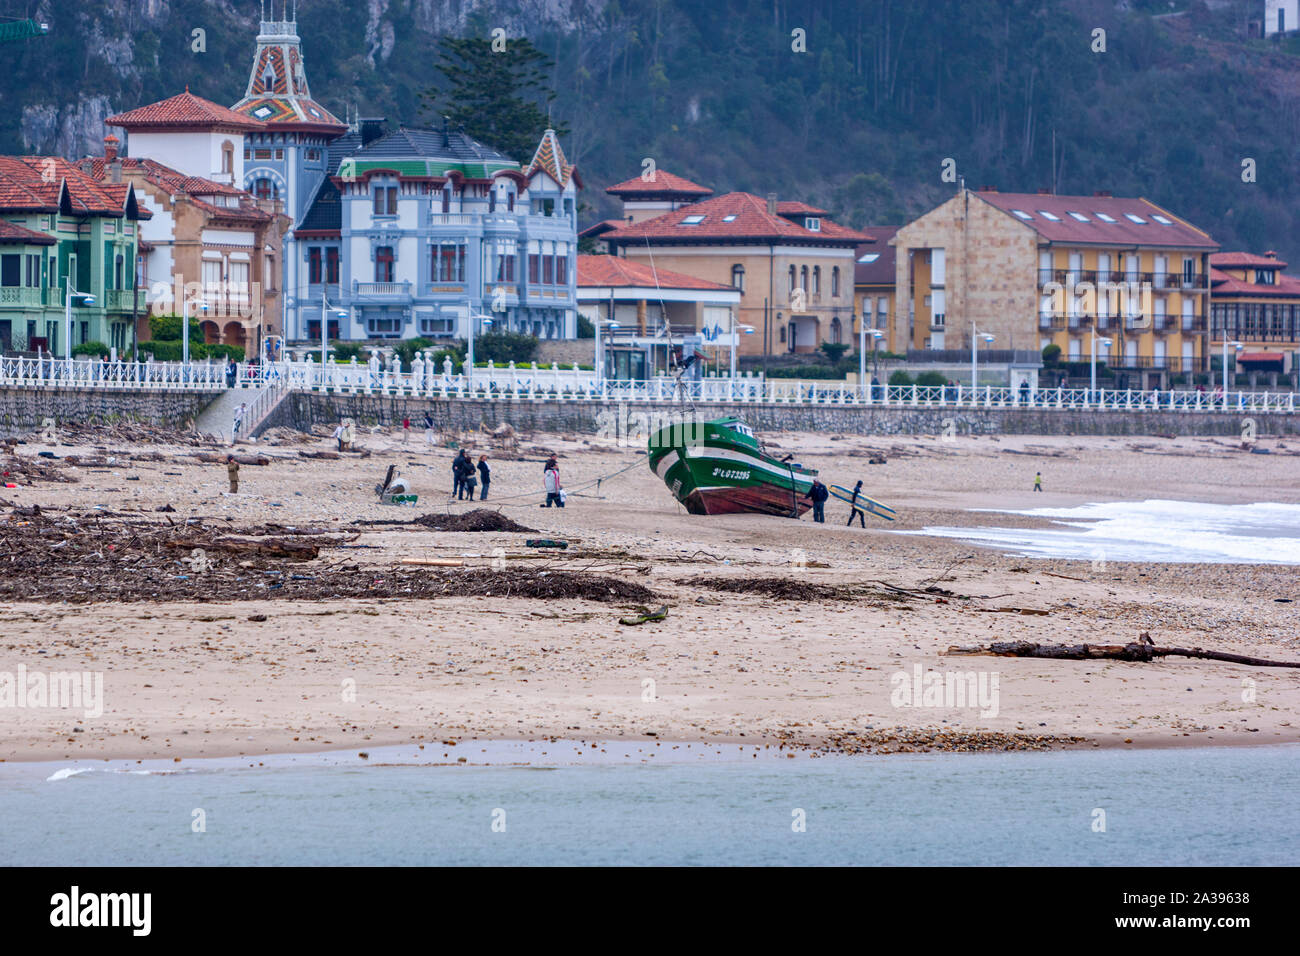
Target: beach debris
x: 324, y: 455
x: 434, y: 562
x: 1143, y: 650
x: 211, y: 459
x: 645, y: 615
x: 545, y: 543
x: 786, y: 589
x: 267, y: 547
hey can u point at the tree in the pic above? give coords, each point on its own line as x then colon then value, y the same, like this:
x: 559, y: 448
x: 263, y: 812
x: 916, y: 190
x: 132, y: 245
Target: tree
x: 499, y: 98
x: 834, y: 350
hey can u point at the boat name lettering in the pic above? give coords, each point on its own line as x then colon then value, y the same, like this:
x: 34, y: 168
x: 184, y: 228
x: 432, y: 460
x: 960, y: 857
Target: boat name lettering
x: 734, y: 475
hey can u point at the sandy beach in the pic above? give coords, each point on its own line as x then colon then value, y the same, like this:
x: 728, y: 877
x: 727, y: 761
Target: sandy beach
x: 253, y: 673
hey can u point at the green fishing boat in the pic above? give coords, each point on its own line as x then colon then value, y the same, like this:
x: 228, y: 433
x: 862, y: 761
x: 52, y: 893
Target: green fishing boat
x: 720, y: 467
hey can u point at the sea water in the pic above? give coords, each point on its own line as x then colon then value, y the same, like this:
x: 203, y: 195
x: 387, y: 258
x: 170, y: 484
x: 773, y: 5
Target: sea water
x: 1220, y: 806
x: 1150, y: 531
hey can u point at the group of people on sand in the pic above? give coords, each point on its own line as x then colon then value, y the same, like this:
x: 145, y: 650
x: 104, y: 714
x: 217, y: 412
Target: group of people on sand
x: 464, y: 480
x: 818, y: 495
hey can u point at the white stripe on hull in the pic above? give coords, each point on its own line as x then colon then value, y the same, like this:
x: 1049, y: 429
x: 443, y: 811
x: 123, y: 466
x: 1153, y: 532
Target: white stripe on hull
x: 729, y: 455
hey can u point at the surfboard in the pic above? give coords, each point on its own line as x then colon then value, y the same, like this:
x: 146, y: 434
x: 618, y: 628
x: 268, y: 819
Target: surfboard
x: 869, y: 505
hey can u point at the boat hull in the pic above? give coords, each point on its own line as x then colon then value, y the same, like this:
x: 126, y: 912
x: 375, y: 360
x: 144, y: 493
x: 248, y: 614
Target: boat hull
x: 715, y: 474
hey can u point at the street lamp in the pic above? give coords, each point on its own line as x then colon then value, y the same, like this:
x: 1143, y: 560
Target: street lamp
x: 1095, y: 342
x: 743, y: 330
x: 487, y: 323
x: 324, y: 331
x: 600, y: 347
x: 1237, y: 346
x: 185, y: 325
x: 976, y: 338
x: 86, y: 299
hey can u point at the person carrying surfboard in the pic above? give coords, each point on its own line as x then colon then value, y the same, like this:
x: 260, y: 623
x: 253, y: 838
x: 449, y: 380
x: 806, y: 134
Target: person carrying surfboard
x: 861, y: 515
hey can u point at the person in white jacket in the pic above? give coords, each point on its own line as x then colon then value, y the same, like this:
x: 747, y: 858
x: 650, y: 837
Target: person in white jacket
x: 554, y: 490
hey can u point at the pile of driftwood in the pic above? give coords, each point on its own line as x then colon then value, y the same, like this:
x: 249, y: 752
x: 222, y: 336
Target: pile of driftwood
x: 1143, y: 650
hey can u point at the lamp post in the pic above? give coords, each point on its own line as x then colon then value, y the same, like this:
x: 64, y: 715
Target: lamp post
x: 185, y: 326
x: 86, y: 299
x: 600, y: 346
x: 487, y: 323
x: 324, y: 331
x: 976, y: 338
x: 876, y: 336
x: 737, y: 330
x: 1237, y: 347
x: 1095, y: 342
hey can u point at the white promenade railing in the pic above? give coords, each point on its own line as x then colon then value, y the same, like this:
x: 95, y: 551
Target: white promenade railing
x: 524, y: 383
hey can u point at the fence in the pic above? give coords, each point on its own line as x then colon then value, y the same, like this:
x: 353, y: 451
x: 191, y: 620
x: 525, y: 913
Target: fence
x: 554, y: 383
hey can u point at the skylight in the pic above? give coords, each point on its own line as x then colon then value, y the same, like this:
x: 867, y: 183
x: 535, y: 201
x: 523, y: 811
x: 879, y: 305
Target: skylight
x: 692, y: 221
x: 1137, y: 219
x: 1104, y: 218
x: 1021, y: 213
x: 869, y: 258
x: 1047, y: 215
x: 729, y: 218
x: 1079, y: 216
x: 1162, y: 220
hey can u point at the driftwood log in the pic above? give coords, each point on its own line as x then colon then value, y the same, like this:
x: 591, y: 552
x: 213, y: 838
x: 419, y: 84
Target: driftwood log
x: 1138, y: 651
x: 242, y: 459
x: 326, y: 455
x: 266, y: 547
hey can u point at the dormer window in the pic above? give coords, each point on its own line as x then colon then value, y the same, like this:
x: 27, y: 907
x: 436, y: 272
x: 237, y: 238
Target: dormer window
x: 268, y: 80
x: 1265, y: 277
x: 812, y: 224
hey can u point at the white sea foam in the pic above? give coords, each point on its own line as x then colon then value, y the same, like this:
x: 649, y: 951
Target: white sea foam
x: 67, y: 772
x: 1150, y: 531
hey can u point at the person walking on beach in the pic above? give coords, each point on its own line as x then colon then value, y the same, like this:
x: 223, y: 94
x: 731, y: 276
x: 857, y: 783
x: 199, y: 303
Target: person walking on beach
x: 818, y: 494
x: 858, y: 512
x: 1038, y: 481
x: 485, y: 476
x: 239, y: 420
x: 232, y: 472
x: 554, y: 490
x: 406, y: 430
x: 461, y: 469
x: 428, y: 427
x: 338, y: 435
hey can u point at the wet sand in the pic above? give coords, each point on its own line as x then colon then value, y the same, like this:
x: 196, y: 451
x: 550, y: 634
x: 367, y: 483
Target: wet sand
x: 200, y: 679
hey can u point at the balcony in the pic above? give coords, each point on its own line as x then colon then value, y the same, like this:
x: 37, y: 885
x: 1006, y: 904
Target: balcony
x: 382, y: 290
x: 1053, y: 321
x: 122, y: 300
x: 20, y: 297
x: 452, y: 219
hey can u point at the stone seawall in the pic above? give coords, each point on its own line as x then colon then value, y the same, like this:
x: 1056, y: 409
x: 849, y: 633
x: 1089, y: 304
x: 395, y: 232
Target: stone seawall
x: 303, y: 410
x: 23, y: 410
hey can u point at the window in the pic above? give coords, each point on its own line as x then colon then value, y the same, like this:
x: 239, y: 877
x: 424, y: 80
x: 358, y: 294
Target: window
x: 448, y: 263
x: 313, y: 155
x: 1137, y: 219
x: 446, y: 200
x: 730, y: 217
x: 52, y: 273
x: 34, y: 271
x: 492, y: 201
x: 119, y: 269
x: 1078, y: 215
x: 510, y: 202
x: 783, y: 334
x: 562, y: 270
x: 1103, y: 217
x: 239, y: 284
x: 869, y: 258
x: 835, y: 330
x: 803, y: 278
x: 534, y: 269
x: 279, y: 154
x: 264, y: 188
x: 384, y: 264
x: 817, y: 280
x: 692, y: 221
x: 385, y: 200
x: 332, y: 266
x: 835, y: 282
x: 384, y: 326
x: 1265, y: 277
x: 313, y: 265
x: 11, y: 270
x: 1162, y: 220
x: 812, y: 224
x: 505, y: 267
x: 1051, y: 217
x: 793, y: 278
x: 548, y: 270
x: 738, y: 277
x: 227, y: 157
x: 261, y: 154
x: 1022, y: 214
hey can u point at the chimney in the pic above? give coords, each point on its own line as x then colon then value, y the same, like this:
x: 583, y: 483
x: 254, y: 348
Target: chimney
x: 1272, y: 254
x: 988, y: 189
x: 87, y: 166
x: 771, y: 204
x: 372, y: 128
x: 110, y: 148
x: 1104, y: 193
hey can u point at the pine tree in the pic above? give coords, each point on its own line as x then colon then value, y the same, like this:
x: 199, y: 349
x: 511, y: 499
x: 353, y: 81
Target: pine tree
x: 500, y: 98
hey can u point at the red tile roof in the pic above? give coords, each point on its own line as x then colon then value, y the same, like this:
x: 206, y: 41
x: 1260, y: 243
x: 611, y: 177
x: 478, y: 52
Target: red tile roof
x: 1261, y: 357
x: 597, y: 271
x: 599, y: 228
x: 1228, y: 260
x: 183, y: 111
x: 1221, y: 284
x: 1065, y: 228
x: 663, y: 183
x: 795, y: 208
x: 21, y: 235
x: 737, y: 217
x: 880, y: 271
x: 195, y: 187
x: 33, y: 182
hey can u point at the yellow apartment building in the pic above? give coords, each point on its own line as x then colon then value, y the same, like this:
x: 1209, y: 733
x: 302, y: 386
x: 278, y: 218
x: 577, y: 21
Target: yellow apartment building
x: 1034, y: 269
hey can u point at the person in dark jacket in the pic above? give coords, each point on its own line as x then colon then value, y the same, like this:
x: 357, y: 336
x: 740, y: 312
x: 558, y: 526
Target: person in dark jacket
x: 858, y: 512
x: 818, y: 494
x: 485, y: 476
x: 461, y: 469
